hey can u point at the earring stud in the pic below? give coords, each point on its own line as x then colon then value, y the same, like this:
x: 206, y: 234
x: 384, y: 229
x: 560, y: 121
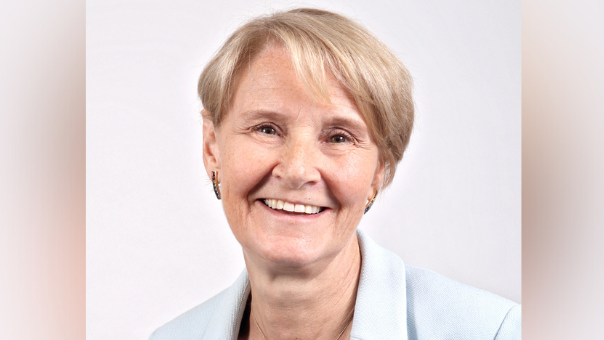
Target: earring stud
x: 215, y: 184
x: 370, y: 203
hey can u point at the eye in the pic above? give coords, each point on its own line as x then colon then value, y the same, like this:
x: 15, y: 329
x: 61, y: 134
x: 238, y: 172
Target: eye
x: 339, y: 136
x: 267, y: 130
x: 338, y: 139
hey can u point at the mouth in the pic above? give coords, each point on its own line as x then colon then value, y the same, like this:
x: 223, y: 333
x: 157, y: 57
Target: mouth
x: 292, y: 207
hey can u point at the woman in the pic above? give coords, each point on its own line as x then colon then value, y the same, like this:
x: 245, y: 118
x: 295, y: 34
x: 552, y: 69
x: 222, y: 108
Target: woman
x: 306, y: 116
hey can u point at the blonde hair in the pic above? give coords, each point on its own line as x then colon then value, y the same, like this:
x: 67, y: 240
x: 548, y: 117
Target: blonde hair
x: 319, y: 41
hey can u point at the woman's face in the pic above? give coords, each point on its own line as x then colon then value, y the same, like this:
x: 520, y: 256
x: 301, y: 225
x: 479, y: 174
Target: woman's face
x: 295, y: 172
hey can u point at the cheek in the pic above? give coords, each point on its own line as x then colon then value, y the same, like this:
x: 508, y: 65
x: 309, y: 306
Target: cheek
x: 351, y: 180
x: 243, y: 166
x: 242, y: 169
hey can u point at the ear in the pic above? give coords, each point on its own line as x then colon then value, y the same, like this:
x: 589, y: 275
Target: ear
x: 378, y: 178
x: 211, y: 153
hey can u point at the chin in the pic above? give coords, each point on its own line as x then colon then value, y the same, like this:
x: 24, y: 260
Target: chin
x: 290, y: 252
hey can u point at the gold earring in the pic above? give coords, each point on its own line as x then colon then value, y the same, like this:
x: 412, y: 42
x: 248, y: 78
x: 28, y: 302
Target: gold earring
x: 215, y: 184
x: 370, y: 203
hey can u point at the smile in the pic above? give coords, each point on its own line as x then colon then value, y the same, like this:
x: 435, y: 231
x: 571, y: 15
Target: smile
x: 291, y: 207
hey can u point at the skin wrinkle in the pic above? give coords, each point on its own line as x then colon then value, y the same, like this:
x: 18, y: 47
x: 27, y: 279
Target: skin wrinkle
x: 303, y: 269
x: 290, y: 300
x: 322, y: 45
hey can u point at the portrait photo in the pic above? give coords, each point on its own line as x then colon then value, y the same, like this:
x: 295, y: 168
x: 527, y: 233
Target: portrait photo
x: 436, y: 190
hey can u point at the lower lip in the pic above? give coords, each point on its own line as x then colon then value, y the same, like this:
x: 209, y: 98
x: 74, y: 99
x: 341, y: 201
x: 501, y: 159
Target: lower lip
x: 293, y: 216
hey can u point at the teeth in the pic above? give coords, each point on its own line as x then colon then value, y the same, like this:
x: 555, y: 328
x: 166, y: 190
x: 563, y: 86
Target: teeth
x: 299, y: 208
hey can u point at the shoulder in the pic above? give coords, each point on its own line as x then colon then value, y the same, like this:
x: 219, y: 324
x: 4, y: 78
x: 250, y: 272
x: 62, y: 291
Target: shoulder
x: 441, y: 308
x: 217, y: 318
x: 191, y: 324
x: 397, y: 301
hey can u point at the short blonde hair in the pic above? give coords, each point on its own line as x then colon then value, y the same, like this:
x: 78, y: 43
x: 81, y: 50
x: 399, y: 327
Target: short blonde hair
x: 316, y: 41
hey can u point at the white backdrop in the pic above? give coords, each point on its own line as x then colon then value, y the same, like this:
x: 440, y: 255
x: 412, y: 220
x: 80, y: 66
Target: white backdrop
x: 157, y: 240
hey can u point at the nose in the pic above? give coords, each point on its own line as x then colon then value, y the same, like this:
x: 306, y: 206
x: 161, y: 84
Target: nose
x: 298, y: 162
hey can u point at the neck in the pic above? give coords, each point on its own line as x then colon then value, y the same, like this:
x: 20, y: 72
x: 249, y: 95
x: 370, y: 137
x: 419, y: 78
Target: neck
x: 310, y: 303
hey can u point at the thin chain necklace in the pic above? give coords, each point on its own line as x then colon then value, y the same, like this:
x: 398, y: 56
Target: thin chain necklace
x: 338, y: 338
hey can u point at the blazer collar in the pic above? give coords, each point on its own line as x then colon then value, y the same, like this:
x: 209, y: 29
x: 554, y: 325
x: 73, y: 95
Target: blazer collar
x: 381, y: 306
x: 226, y: 319
x: 380, y: 309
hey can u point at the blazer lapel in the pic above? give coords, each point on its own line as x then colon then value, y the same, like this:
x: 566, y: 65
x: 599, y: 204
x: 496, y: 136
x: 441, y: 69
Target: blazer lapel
x: 226, y: 319
x: 381, y: 305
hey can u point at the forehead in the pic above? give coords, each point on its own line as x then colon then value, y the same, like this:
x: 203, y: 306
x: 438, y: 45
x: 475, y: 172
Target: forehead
x: 270, y: 81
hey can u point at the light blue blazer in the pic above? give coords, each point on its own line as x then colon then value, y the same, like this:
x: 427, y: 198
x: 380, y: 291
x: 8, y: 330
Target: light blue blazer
x: 394, y: 301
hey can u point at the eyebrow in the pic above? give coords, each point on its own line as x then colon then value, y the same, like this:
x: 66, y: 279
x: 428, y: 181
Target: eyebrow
x: 355, y: 124
x: 262, y: 113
